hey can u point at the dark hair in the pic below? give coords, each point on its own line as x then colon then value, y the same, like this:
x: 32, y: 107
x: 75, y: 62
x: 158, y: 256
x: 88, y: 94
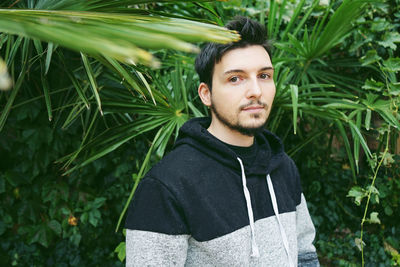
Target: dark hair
x: 251, y: 32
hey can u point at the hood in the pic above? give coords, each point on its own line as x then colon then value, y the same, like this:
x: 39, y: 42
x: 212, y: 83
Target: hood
x: 270, y: 151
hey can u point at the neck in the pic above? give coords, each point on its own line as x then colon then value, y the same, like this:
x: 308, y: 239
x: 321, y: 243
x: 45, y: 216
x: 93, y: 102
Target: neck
x: 229, y: 136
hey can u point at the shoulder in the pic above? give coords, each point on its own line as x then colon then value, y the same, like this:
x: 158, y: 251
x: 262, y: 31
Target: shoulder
x: 179, y: 166
x: 287, y: 176
x: 290, y: 164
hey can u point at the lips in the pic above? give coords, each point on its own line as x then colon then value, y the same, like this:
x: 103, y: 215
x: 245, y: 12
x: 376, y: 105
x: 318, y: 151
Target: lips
x: 254, y: 107
x: 251, y: 108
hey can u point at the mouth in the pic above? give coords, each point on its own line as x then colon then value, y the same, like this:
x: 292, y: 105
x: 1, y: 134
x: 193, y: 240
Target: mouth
x: 254, y: 108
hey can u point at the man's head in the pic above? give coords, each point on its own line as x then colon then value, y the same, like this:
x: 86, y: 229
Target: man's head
x: 251, y: 32
x: 236, y: 79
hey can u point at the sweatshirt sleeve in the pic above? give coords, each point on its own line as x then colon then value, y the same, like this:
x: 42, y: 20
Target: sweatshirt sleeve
x: 307, y: 256
x: 157, y: 233
x: 155, y: 249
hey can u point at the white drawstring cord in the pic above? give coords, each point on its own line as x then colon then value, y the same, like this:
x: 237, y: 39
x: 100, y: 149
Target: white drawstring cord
x: 282, y: 230
x: 254, y: 248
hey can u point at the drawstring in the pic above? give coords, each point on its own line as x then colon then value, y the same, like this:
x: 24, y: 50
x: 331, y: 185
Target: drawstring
x: 275, y: 207
x: 254, y: 248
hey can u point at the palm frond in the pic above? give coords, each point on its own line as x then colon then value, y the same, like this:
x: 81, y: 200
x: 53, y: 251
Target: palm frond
x: 118, y: 36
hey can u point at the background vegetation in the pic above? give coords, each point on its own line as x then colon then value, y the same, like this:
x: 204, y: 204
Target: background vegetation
x: 88, y: 114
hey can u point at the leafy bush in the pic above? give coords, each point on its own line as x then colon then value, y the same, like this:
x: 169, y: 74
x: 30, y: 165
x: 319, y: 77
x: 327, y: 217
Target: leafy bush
x: 46, y: 218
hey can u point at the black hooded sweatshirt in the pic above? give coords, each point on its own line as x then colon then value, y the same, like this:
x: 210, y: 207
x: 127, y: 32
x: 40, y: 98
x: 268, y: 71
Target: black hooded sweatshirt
x: 200, y: 206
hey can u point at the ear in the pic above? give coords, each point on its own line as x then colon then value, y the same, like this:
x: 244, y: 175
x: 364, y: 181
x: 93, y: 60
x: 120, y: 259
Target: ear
x: 205, y: 94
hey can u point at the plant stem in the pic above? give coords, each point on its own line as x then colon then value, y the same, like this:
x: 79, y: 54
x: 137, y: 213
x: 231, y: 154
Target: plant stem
x: 369, y: 196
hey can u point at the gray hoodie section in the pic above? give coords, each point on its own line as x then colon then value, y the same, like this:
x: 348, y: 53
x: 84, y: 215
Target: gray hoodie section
x: 155, y: 249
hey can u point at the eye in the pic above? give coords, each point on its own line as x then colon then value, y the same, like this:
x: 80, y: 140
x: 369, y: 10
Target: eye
x: 265, y: 76
x: 234, y: 79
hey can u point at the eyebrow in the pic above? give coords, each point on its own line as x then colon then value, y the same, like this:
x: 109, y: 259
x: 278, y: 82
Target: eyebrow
x: 239, y: 70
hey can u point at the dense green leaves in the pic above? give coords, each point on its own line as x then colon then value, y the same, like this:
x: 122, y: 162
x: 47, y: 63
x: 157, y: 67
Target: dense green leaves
x: 337, y: 83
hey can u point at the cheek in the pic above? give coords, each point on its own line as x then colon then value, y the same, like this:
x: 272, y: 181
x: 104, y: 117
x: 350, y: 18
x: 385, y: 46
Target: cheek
x: 270, y: 94
x: 224, y: 98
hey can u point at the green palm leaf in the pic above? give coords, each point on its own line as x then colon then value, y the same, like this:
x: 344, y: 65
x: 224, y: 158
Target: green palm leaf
x: 337, y: 27
x: 118, y: 36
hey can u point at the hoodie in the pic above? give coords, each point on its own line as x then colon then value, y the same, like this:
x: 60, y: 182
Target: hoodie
x: 199, y: 206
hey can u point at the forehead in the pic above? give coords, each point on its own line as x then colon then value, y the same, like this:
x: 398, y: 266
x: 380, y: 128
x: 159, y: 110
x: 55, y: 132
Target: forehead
x: 249, y: 58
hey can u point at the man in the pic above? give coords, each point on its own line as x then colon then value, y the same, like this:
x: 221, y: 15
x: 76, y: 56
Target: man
x: 227, y: 194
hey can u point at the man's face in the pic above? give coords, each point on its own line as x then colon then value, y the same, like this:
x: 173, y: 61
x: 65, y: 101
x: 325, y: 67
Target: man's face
x: 243, y: 89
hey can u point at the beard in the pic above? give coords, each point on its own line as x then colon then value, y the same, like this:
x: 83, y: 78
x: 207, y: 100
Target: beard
x: 245, y: 130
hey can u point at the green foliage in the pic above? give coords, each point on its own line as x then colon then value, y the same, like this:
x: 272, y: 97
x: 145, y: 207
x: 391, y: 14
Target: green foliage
x: 63, y: 183
x: 71, y: 215
x: 326, y: 180
x: 116, y: 35
x: 47, y: 218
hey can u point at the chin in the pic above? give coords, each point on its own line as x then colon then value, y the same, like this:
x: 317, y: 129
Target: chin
x: 255, y: 123
x: 250, y: 131
x: 254, y: 127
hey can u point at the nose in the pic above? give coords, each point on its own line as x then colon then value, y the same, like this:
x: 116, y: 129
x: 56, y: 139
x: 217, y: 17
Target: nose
x: 254, y: 89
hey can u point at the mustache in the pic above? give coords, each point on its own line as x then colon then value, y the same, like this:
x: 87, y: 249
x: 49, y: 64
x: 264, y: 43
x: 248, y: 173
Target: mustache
x: 255, y: 103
